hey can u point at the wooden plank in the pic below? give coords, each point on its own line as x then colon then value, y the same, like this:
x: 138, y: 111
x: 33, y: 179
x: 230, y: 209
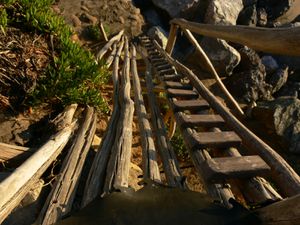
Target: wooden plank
x: 181, y: 93
x: 285, y: 176
x: 204, y: 120
x: 192, y: 105
x: 219, y: 169
x: 172, y: 77
x: 150, y: 166
x: 223, y: 139
x: 166, y: 71
x: 178, y: 85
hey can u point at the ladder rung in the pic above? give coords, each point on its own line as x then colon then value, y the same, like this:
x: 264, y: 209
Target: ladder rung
x: 205, y: 120
x: 182, y: 93
x: 193, y: 105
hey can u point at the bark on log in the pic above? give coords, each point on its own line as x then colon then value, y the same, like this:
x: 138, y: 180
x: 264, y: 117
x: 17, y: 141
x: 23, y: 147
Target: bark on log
x: 61, y: 198
x: 114, y: 39
x: 119, y: 163
x: 14, y: 188
x: 96, y: 177
x: 236, y: 108
x: 287, y: 179
x: 150, y: 166
x: 284, y: 41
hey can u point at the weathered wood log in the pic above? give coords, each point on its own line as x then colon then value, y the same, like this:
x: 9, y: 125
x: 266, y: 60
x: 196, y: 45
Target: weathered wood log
x: 119, y: 162
x: 61, y: 198
x: 65, y: 118
x: 96, y: 177
x: 287, y: 179
x: 236, y: 108
x: 170, y: 163
x: 150, y: 166
x: 15, y: 187
x: 112, y: 55
x: 114, y: 39
x: 284, y: 41
x: 286, y: 212
x: 9, y: 152
x: 171, y: 39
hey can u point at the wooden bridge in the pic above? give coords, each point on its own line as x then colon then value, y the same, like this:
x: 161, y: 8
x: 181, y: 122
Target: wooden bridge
x: 222, y: 149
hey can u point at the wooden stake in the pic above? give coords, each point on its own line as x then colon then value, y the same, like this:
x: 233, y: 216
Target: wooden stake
x: 237, y: 109
x: 172, y: 39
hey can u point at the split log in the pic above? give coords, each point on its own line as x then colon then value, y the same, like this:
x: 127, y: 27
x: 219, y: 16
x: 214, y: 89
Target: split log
x: 287, y: 179
x: 96, y: 177
x: 114, y: 39
x: 119, y: 163
x: 150, y: 166
x: 236, y: 108
x: 61, y: 198
x: 168, y: 156
x: 14, y: 188
x: 284, y: 41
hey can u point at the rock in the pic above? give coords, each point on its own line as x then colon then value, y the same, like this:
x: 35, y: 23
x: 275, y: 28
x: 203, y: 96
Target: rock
x: 76, y: 21
x: 278, y: 79
x: 176, y: 8
x: 121, y: 19
x: 224, y: 57
x: 223, y: 11
x: 152, y: 17
x: 290, y: 89
x: 248, y: 16
x: 248, y: 79
x: 270, y: 64
x: 262, y: 17
x: 283, y: 115
x: 158, y: 34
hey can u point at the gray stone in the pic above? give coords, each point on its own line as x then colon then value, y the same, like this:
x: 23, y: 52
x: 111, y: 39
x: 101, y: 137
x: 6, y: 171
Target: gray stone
x: 175, y: 8
x: 224, y: 57
x: 248, y: 79
x: 158, y: 34
x: 270, y: 64
x: 283, y: 115
x: 223, y: 11
x: 248, y: 16
x: 278, y: 79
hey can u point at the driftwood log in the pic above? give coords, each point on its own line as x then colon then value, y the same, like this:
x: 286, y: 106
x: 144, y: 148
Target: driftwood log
x: 287, y: 179
x: 14, y: 188
x: 112, y: 55
x: 61, y: 198
x: 114, y: 39
x: 284, y: 41
x: 117, y: 171
x: 150, y: 166
x: 96, y: 177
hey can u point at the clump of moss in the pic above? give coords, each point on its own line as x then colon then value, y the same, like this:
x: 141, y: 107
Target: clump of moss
x: 73, y: 76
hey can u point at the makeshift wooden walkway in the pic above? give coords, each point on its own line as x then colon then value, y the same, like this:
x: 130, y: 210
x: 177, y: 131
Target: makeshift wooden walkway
x: 224, y: 152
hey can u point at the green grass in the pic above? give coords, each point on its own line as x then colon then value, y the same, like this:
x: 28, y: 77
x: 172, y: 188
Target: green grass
x: 179, y: 146
x: 73, y: 75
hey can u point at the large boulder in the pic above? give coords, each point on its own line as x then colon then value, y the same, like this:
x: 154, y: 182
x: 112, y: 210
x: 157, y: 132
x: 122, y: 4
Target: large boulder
x: 159, y: 35
x: 224, y: 57
x: 248, y: 79
x: 176, y: 8
x: 282, y: 116
x: 223, y: 11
